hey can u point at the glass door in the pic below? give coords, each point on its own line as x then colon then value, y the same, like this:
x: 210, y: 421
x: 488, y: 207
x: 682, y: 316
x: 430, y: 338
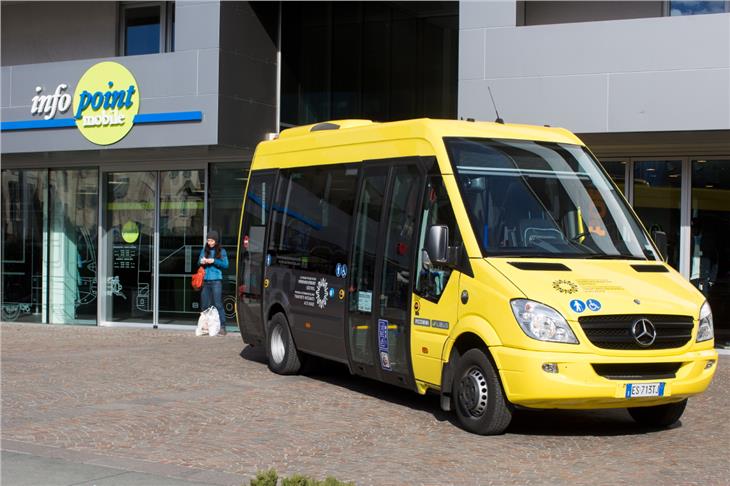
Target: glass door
x: 182, y: 204
x: 153, y: 227
x: 129, y: 227
x: 361, y: 334
x: 383, y: 260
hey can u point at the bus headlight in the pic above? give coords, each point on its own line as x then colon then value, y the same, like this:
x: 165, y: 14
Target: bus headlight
x: 706, y: 330
x: 541, y: 322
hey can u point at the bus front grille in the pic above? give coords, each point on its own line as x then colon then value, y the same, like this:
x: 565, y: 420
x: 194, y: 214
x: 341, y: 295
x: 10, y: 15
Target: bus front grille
x: 637, y: 371
x: 615, y: 331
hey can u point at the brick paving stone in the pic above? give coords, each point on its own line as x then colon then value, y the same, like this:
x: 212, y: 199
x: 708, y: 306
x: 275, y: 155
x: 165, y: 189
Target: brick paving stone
x: 211, y: 404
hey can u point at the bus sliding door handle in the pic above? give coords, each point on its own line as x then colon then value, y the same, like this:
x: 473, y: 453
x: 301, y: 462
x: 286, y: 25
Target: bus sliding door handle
x: 464, y: 296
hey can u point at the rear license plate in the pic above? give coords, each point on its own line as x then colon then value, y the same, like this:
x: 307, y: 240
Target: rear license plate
x: 635, y: 390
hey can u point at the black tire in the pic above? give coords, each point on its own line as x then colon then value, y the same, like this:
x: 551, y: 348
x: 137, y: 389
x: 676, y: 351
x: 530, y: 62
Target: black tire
x: 658, y: 415
x: 479, y: 401
x: 280, y: 349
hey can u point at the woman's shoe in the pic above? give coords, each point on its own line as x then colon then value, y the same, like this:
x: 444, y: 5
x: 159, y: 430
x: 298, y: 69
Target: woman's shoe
x: 222, y: 332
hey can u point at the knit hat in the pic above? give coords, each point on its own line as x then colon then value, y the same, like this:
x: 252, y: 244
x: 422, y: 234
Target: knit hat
x: 213, y: 235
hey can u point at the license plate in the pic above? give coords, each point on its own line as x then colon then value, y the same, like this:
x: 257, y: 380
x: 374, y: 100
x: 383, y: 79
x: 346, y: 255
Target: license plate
x: 635, y: 390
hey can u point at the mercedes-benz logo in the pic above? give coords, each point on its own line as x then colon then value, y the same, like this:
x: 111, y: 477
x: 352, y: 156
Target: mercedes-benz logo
x: 644, y: 332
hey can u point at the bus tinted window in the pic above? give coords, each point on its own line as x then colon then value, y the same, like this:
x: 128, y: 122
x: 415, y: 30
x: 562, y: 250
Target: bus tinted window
x: 313, y: 209
x: 431, y: 281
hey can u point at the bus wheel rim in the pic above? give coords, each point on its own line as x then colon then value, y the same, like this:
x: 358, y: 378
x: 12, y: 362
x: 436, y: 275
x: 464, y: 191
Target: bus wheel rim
x: 473, y: 392
x: 277, y: 345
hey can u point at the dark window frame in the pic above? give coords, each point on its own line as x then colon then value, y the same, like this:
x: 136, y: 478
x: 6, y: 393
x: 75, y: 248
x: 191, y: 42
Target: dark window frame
x: 277, y: 230
x: 167, y: 25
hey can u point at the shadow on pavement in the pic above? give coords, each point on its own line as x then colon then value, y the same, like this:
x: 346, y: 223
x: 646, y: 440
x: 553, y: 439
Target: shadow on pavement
x: 561, y: 423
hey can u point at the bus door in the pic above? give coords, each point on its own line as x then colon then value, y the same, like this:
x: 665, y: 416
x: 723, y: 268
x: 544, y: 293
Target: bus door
x: 249, y: 281
x: 381, y: 280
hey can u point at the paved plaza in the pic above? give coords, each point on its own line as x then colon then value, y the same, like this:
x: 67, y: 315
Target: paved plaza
x: 132, y: 406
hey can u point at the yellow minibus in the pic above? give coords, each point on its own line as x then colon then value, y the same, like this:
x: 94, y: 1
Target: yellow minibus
x: 494, y: 264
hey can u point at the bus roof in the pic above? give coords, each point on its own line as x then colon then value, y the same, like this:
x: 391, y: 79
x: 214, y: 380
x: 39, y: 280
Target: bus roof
x: 341, y: 140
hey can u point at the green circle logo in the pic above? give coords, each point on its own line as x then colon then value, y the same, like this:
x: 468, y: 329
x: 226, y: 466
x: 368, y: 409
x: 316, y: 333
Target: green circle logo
x: 105, y: 103
x: 130, y: 232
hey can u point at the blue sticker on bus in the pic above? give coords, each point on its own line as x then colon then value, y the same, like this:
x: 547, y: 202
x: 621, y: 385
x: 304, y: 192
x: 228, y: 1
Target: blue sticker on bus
x: 593, y: 305
x: 344, y: 270
x: 338, y: 269
x: 332, y: 293
x: 268, y: 260
x: 382, y: 335
x: 577, y: 305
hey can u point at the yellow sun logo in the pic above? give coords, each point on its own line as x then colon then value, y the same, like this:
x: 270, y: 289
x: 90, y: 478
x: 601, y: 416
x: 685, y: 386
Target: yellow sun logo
x: 565, y: 286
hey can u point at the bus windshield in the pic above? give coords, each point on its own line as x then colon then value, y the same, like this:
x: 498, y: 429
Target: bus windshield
x: 544, y: 199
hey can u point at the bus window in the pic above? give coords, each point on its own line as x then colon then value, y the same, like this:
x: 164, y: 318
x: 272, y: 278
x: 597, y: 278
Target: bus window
x: 364, y: 254
x: 313, y: 210
x: 396, y: 280
x: 251, y: 253
x: 437, y: 210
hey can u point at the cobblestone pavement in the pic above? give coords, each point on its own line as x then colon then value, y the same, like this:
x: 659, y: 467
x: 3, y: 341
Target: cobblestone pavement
x: 151, y: 400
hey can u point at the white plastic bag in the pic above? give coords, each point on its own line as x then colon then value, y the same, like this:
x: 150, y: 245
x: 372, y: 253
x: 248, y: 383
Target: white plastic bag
x: 202, y: 328
x: 214, y: 321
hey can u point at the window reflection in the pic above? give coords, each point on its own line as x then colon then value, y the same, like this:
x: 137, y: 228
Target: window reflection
x: 617, y: 170
x: 696, y: 8
x: 24, y: 195
x: 227, y: 184
x: 376, y: 60
x: 709, y: 249
x: 657, y: 196
x: 72, y: 246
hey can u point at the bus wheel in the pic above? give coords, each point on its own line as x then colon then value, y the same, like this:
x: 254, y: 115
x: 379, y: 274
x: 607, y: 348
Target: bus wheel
x: 479, y: 401
x: 659, y: 415
x: 280, y: 349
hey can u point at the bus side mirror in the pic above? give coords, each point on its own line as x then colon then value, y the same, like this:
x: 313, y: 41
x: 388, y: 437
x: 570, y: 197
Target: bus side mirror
x: 660, y: 239
x: 437, y: 244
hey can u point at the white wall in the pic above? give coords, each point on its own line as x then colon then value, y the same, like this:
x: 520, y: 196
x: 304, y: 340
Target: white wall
x: 655, y: 74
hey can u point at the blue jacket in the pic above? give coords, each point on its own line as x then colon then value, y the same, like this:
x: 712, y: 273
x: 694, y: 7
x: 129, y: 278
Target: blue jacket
x: 213, y: 270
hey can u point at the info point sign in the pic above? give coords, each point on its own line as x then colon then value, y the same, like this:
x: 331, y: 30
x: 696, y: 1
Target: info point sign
x: 105, y: 103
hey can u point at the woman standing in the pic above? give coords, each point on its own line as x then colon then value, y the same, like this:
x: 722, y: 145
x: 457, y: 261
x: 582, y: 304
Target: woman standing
x: 213, y: 259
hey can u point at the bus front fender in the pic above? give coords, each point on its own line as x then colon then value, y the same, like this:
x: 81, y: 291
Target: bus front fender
x: 465, y: 329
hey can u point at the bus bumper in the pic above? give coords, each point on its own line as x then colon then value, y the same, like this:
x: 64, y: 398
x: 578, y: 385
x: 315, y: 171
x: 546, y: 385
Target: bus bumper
x: 577, y: 385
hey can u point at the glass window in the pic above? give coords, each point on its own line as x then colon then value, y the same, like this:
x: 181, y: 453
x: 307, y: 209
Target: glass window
x: 543, y: 199
x: 251, y: 250
x: 182, y: 201
x: 709, y: 248
x: 364, y: 257
x: 312, y: 214
x: 147, y: 28
x: 49, y: 245
x: 72, y: 246
x: 129, y: 232
x: 657, y: 198
x: 225, y: 194
x: 431, y: 281
x: 617, y: 170
x: 697, y: 8
x: 398, y: 259
x: 24, y: 197
x: 378, y: 60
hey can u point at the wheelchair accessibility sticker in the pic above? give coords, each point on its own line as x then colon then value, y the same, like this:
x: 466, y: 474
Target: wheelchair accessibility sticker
x: 593, y: 305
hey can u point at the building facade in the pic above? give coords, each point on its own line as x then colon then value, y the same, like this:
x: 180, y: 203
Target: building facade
x: 128, y: 129
x: 645, y: 84
x: 103, y: 220
x: 108, y: 190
